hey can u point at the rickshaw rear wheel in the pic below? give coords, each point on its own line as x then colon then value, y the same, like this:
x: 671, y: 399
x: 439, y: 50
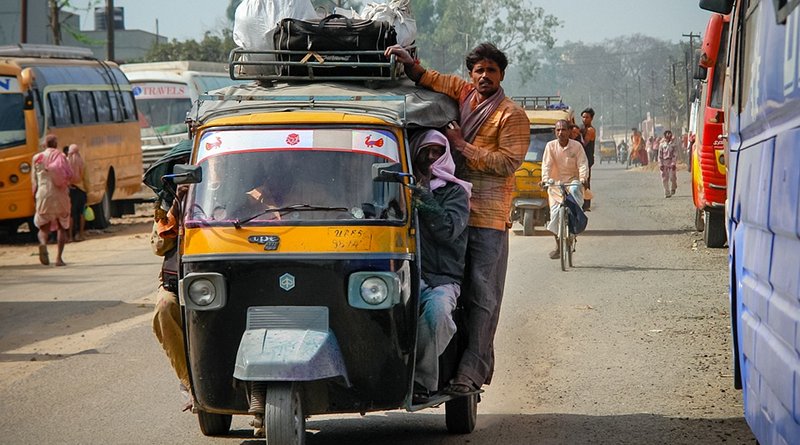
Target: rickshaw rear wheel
x: 527, y: 223
x: 212, y: 424
x: 284, y: 419
x: 461, y: 414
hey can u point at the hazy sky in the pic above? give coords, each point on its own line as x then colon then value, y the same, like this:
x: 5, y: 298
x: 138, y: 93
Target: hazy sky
x: 584, y: 20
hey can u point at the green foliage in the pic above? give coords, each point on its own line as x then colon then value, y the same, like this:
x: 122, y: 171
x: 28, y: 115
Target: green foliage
x: 448, y: 29
x: 213, y: 48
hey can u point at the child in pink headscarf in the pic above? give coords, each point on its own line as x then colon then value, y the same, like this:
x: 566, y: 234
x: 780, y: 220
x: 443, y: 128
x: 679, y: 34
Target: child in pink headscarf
x: 51, y: 189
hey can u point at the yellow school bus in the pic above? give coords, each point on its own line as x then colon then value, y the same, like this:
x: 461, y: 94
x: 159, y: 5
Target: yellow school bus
x: 66, y: 92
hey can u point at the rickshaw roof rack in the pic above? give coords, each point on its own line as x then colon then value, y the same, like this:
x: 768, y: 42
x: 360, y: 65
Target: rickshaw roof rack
x: 36, y: 50
x: 540, y: 102
x: 401, y: 102
x: 286, y: 66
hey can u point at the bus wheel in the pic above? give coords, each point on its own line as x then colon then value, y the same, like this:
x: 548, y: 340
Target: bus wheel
x: 214, y: 424
x: 714, y: 233
x: 102, y: 212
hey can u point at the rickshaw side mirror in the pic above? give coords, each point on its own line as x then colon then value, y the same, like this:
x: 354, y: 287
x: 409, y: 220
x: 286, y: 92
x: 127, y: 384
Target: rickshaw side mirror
x: 185, y: 174
x: 389, y: 172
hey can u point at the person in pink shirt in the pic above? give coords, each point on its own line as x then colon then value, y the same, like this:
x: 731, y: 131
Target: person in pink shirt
x: 51, y: 189
x: 564, y: 162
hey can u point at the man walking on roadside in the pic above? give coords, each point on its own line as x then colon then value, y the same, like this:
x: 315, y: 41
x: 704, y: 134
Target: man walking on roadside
x: 667, y: 160
x: 490, y: 143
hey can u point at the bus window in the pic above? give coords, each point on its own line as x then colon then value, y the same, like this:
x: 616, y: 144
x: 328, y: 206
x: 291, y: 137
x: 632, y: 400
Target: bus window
x: 129, y: 106
x: 103, y: 108
x: 163, y: 112
x: 75, y: 109
x: 88, y: 114
x: 715, y: 101
x: 12, y: 120
x: 60, y: 115
x: 114, y: 104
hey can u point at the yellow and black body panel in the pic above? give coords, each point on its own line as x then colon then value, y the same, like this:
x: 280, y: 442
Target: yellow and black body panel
x: 294, y: 268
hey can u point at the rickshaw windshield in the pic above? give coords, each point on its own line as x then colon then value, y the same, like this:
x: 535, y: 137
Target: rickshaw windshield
x: 539, y: 138
x: 296, y: 176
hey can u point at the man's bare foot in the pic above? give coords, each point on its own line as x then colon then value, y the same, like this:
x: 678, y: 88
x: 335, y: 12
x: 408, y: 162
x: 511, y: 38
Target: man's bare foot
x: 60, y: 263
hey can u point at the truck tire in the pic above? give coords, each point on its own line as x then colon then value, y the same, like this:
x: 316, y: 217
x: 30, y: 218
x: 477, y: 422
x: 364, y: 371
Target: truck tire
x: 714, y: 233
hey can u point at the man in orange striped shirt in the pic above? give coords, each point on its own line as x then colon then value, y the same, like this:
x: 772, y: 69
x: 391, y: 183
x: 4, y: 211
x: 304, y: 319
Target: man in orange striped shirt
x: 489, y: 143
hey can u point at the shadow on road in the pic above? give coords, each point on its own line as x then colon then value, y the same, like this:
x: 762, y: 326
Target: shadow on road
x: 56, y: 319
x: 398, y: 428
x: 622, y: 232
x: 537, y: 429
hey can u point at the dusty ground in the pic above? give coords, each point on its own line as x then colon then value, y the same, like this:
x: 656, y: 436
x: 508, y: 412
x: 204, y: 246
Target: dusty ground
x: 632, y: 346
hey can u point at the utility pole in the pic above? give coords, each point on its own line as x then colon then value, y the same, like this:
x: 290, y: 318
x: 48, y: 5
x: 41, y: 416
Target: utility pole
x: 110, y: 29
x: 626, y: 111
x: 641, y: 116
x: 23, y: 38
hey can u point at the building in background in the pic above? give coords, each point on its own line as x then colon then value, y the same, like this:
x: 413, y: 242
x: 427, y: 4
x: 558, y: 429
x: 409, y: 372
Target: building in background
x: 130, y: 44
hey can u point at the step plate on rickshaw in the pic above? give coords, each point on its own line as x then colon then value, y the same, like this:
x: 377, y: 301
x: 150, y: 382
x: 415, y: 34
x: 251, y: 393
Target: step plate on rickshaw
x: 439, y: 398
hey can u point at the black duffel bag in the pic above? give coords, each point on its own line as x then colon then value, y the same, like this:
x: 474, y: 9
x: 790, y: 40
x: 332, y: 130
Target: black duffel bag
x: 334, y: 33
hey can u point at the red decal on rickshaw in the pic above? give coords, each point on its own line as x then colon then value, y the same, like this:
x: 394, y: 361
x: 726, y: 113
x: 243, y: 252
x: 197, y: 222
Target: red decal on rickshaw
x: 293, y: 139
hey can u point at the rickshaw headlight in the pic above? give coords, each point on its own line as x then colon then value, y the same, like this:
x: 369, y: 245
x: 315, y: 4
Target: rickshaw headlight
x: 374, y: 290
x: 202, y: 292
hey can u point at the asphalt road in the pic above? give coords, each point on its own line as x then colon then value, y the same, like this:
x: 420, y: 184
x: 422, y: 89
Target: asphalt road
x: 629, y: 347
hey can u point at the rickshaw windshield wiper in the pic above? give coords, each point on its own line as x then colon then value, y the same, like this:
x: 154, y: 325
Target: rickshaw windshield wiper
x: 287, y: 209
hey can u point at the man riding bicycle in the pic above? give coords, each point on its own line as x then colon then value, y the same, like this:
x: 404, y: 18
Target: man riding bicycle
x: 564, y: 162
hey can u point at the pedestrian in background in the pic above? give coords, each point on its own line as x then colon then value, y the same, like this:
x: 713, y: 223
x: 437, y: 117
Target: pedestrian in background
x: 667, y: 161
x: 77, y: 194
x: 589, y: 136
x: 652, y: 148
x: 52, y: 176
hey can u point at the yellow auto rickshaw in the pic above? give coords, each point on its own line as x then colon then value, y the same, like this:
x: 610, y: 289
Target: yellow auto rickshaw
x: 608, y: 151
x: 300, y: 267
x: 529, y: 202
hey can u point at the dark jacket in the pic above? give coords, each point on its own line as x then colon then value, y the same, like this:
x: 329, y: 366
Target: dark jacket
x: 443, y: 216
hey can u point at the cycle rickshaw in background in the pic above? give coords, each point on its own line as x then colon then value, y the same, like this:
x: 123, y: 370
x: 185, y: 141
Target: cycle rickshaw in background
x: 529, y: 201
x: 300, y: 265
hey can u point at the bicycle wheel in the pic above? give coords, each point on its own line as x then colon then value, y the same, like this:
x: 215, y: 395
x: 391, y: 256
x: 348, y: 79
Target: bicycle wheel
x: 563, y: 235
x: 570, y: 249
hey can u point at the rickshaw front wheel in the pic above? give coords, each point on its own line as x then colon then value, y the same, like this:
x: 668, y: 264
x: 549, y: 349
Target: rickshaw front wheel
x: 461, y: 414
x: 283, y: 416
x: 214, y: 424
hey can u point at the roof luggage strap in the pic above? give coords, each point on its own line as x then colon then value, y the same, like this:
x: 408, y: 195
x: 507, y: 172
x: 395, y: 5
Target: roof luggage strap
x: 310, y: 101
x: 279, y: 64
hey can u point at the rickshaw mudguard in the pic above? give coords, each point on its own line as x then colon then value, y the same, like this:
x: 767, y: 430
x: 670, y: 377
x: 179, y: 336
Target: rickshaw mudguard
x: 289, y: 355
x: 530, y: 203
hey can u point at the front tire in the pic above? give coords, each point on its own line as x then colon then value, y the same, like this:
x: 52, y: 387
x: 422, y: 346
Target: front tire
x: 527, y: 222
x: 212, y: 424
x: 562, y: 237
x: 461, y: 414
x: 284, y: 419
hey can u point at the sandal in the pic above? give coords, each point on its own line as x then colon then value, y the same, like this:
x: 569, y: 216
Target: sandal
x: 43, y: 256
x: 459, y: 389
